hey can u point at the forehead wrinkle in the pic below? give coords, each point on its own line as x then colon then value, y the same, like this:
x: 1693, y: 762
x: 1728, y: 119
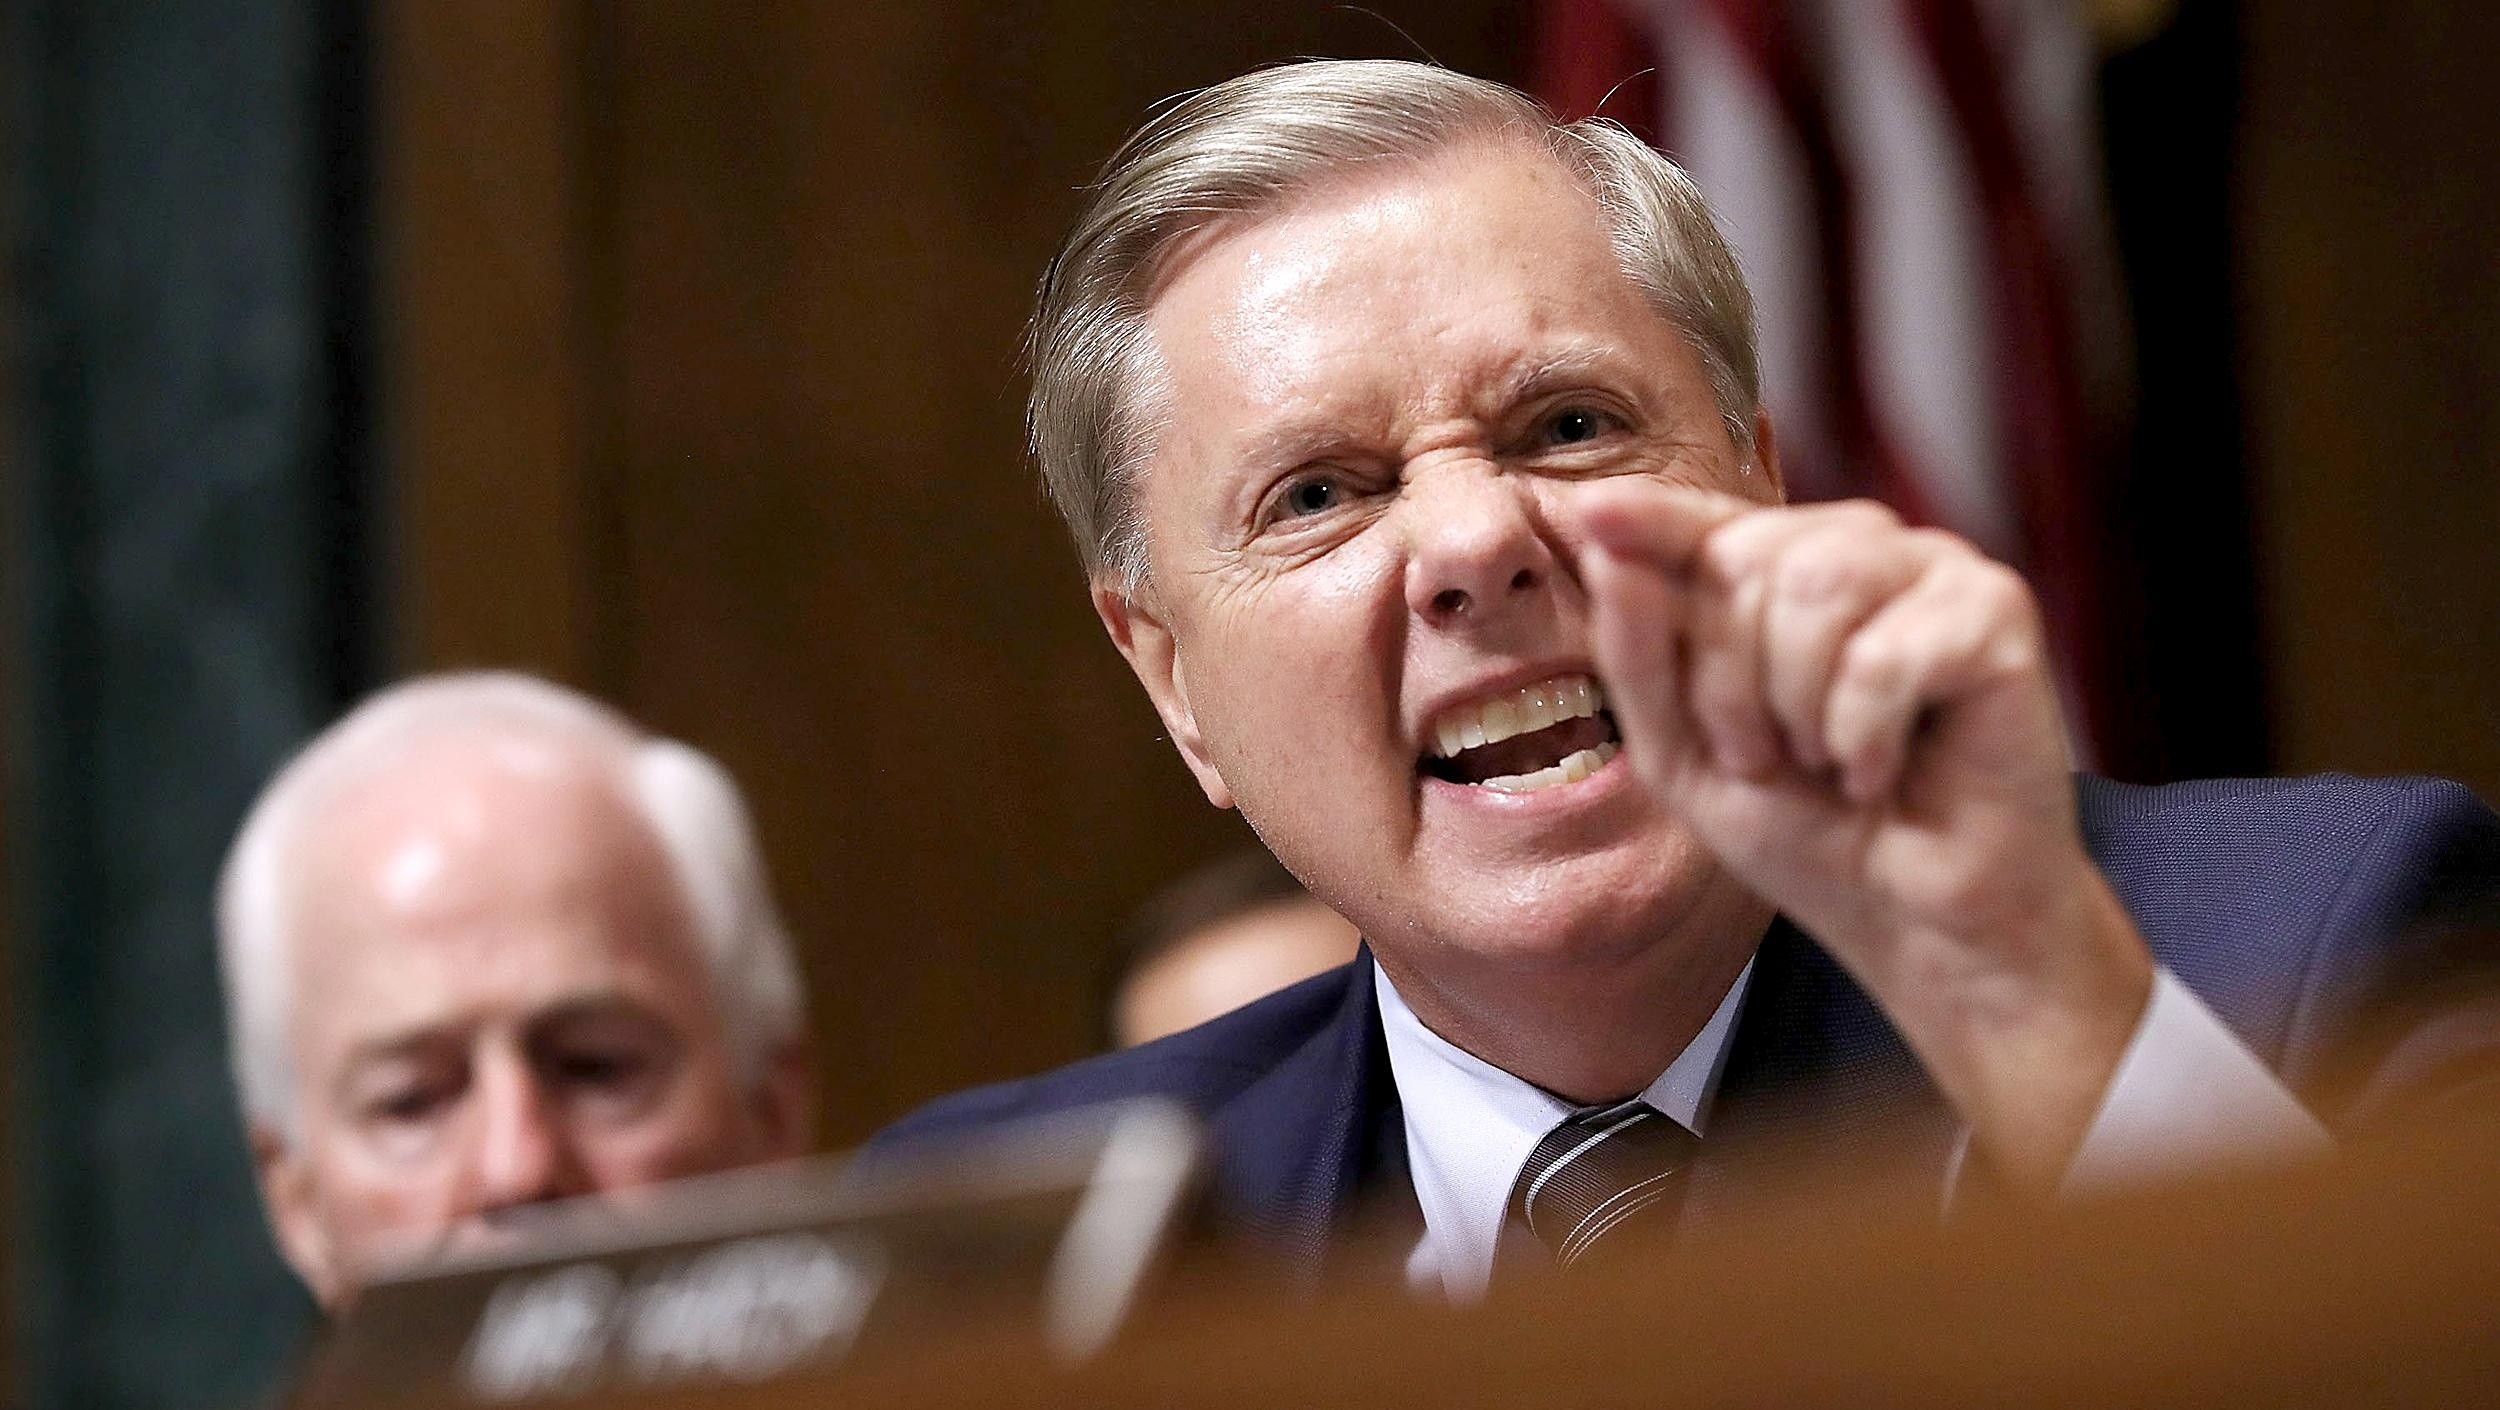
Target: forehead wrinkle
x: 1287, y: 310
x: 1575, y: 363
x: 1290, y: 305
x: 1515, y: 369
x: 1302, y: 441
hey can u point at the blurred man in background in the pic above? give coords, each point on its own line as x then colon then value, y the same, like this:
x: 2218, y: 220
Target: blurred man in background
x: 1237, y: 929
x: 487, y: 944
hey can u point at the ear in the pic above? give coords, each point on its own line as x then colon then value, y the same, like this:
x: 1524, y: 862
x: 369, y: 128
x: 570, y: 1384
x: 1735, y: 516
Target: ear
x: 785, y: 1103
x: 1766, y: 453
x: 1154, y: 655
x: 287, y: 1192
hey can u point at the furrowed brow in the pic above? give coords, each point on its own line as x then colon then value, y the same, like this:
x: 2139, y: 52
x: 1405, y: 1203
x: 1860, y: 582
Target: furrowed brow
x: 1570, y: 367
x: 1284, y: 447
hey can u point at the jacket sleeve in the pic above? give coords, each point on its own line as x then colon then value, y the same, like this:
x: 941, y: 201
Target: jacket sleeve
x: 2399, y: 1007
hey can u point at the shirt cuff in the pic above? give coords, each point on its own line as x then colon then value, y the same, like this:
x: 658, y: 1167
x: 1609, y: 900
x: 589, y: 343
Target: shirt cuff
x: 2188, y: 1096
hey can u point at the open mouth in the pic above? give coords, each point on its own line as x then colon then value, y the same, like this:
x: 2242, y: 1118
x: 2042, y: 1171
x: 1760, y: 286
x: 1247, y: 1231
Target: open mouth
x: 1538, y: 736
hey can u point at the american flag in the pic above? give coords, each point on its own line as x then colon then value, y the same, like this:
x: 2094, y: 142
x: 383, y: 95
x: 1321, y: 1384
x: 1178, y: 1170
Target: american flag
x: 1914, y: 190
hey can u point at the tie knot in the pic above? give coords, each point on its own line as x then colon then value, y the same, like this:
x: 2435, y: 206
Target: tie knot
x: 1602, y: 1168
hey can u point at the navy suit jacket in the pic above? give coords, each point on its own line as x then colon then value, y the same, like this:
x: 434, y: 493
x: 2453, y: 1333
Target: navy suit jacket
x: 2289, y: 906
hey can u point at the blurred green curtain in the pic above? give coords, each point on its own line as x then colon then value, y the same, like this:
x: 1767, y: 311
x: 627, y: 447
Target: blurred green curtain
x: 194, y: 594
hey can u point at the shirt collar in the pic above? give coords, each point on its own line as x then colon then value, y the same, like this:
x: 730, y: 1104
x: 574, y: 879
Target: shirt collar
x: 1470, y: 1126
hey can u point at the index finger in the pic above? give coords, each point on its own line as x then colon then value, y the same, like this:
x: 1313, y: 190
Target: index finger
x: 1661, y: 526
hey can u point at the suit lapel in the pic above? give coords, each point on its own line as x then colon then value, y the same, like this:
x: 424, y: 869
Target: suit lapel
x: 1817, y: 1080
x: 1317, y: 1140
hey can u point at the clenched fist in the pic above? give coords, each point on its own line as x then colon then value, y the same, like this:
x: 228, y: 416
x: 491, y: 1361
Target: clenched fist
x: 1858, y: 718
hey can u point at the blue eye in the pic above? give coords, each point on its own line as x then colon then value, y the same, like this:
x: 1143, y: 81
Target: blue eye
x: 1307, y: 497
x: 1573, y: 425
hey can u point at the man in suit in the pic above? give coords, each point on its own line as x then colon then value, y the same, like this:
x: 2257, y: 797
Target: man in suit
x: 1414, y: 449
x: 486, y: 944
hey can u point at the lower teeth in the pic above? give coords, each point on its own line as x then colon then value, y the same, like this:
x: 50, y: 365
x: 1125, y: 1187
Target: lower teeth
x: 1574, y: 767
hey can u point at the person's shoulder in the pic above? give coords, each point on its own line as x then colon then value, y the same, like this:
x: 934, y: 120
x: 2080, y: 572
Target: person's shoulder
x: 2278, y: 897
x: 2326, y: 842
x: 1202, y: 1067
x: 2326, y: 809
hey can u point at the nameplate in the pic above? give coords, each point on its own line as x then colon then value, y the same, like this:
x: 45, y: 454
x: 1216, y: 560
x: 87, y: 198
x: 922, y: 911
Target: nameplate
x: 1048, y: 1231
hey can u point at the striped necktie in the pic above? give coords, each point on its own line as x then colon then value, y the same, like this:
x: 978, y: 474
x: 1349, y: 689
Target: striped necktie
x: 1603, y: 1169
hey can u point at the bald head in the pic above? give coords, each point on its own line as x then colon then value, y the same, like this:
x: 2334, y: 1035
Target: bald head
x: 487, y: 945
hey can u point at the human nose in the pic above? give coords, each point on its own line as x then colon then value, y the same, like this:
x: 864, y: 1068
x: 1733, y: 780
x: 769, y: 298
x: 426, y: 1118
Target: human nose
x: 521, y: 1154
x: 1476, y: 543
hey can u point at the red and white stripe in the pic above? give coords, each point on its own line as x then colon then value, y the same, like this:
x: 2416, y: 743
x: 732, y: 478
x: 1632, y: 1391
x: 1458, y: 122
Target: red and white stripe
x: 1912, y: 188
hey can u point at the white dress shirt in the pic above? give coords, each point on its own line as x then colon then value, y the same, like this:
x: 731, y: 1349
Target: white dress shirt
x: 1470, y: 1126
x: 2186, y: 1094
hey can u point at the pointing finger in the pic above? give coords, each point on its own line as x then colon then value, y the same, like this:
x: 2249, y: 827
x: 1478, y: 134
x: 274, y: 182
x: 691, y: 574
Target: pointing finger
x: 1635, y: 620
x: 1644, y: 521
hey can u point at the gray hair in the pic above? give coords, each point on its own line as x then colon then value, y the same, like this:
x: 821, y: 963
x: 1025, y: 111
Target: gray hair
x: 689, y: 802
x: 1248, y: 146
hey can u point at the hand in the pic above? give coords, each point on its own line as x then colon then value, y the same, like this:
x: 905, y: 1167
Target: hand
x: 1858, y: 719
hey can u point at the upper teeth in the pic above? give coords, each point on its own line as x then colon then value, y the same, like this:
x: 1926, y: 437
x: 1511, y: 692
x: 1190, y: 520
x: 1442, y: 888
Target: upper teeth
x: 1531, y: 707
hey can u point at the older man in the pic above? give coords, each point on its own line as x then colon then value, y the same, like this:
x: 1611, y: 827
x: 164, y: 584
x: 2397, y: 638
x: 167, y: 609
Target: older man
x: 1413, y: 446
x: 486, y: 944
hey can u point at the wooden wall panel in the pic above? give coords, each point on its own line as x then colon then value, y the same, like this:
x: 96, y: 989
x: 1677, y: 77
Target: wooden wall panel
x: 2370, y: 220
x: 502, y: 521
x: 707, y: 397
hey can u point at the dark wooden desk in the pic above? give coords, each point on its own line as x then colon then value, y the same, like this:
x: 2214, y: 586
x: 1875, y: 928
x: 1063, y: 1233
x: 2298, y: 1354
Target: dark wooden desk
x: 2366, y: 1283
x: 2372, y: 1281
